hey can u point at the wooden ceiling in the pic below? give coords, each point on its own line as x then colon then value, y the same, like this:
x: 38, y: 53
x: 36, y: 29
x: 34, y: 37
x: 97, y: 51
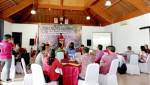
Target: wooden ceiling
x: 76, y: 11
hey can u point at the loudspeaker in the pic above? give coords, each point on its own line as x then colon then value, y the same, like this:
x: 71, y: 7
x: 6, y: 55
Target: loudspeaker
x: 88, y: 42
x: 31, y: 42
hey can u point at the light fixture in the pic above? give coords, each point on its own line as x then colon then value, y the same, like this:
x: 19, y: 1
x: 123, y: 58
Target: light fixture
x: 88, y: 17
x: 108, y: 3
x: 33, y: 11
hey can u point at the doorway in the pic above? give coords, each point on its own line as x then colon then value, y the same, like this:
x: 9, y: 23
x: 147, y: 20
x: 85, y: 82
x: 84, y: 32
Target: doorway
x: 17, y: 38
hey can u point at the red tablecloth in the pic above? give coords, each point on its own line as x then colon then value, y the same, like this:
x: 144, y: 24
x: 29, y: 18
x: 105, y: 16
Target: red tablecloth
x: 70, y: 72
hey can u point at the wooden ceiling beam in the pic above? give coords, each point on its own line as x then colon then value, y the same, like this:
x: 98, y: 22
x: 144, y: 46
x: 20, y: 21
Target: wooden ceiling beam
x: 125, y: 17
x: 139, y: 4
x: 101, y: 13
x: 28, y: 13
x: 89, y: 3
x: 12, y: 2
x: 60, y: 7
x: 111, y: 5
x: 1, y: 15
x: 61, y: 2
x: 12, y: 10
x: 92, y: 18
x: 9, y: 20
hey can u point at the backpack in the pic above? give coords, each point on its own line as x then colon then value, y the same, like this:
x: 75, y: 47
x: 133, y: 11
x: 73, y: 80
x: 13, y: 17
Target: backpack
x: 122, y: 69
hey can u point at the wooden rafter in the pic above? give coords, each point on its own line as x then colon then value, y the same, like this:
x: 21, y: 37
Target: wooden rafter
x: 111, y: 5
x: 61, y: 2
x: 92, y: 18
x: 125, y: 17
x: 12, y: 2
x: 89, y: 3
x: 12, y: 10
x: 60, y: 7
x: 139, y: 4
x: 61, y: 12
x: 101, y: 13
x: 28, y: 13
x: 9, y: 20
x: 0, y: 15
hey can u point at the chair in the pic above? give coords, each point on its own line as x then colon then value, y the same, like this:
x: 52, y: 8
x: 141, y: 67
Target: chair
x: 19, y: 68
x: 91, y: 77
x: 121, y: 60
x: 60, y: 55
x: 77, y: 56
x: 12, y: 70
x: 132, y: 67
x: 144, y: 67
x: 38, y: 76
x: 110, y: 78
x: 28, y: 77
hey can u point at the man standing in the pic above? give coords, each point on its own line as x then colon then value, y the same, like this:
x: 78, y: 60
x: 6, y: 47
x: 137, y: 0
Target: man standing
x: 5, y: 55
x: 60, y: 36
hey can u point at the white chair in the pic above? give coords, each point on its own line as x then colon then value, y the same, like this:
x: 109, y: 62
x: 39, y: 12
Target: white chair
x: 60, y: 55
x: 19, y: 68
x: 28, y: 80
x: 121, y: 60
x: 105, y: 53
x: 38, y: 76
x: 144, y: 67
x: 77, y: 56
x: 110, y: 78
x: 12, y: 70
x: 91, y: 77
x: 133, y: 67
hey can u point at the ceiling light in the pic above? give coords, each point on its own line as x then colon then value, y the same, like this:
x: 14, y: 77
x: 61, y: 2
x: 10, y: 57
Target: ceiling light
x: 88, y: 18
x: 108, y: 3
x: 33, y: 11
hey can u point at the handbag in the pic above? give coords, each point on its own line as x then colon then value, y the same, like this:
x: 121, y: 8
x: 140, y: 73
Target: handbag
x: 2, y: 46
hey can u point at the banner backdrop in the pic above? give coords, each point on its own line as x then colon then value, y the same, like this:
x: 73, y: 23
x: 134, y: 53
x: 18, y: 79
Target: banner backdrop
x: 49, y: 32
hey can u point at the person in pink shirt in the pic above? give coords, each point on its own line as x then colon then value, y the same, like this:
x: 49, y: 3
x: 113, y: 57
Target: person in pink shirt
x: 104, y: 69
x: 6, y: 46
x: 99, y: 54
x: 143, y: 55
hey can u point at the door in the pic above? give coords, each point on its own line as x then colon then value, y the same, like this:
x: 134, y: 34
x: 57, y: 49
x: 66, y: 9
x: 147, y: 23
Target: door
x: 17, y: 37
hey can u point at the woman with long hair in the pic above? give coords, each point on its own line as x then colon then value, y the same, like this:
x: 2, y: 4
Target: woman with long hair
x: 143, y: 54
x: 70, y: 49
x: 49, y: 65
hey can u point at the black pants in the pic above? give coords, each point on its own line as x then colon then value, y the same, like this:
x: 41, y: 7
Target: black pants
x: 60, y: 80
x: 141, y: 61
x: 80, y: 78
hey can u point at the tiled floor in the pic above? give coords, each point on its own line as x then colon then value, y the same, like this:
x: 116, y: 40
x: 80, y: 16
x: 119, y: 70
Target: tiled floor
x: 126, y: 79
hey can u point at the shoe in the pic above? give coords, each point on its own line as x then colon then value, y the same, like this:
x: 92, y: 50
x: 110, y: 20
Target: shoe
x: 8, y: 80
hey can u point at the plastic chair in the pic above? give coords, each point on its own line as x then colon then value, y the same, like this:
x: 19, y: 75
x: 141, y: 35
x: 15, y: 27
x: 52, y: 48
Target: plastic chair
x: 91, y: 77
x: 121, y: 60
x: 19, y: 68
x: 38, y: 76
x: 12, y: 70
x: 28, y: 77
x: 60, y: 55
x: 133, y: 67
x: 110, y: 78
x: 77, y: 56
x: 144, y: 67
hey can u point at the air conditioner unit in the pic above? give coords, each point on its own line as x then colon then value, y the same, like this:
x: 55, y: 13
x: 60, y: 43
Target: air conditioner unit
x: 126, y: 22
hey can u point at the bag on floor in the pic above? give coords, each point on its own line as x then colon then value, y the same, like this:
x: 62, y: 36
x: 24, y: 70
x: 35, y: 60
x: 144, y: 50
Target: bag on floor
x: 122, y: 69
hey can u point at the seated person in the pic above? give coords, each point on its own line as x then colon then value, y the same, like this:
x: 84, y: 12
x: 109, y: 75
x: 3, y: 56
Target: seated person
x: 60, y: 48
x: 106, y: 51
x: 128, y: 53
x: 70, y: 49
x: 50, y: 63
x: 85, y: 59
x: 143, y: 54
x: 146, y: 47
x: 99, y: 54
x: 80, y: 49
x: 40, y: 57
x: 19, y: 51
x: 106, y: 60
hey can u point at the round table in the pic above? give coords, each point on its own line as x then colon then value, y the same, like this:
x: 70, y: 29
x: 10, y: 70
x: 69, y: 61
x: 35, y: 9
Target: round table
x: 70, y: 72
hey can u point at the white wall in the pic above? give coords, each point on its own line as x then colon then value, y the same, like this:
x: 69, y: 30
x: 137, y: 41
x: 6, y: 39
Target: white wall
x: 7, y: 28
x: 130, y: 35
x: 87, y: 33
x: 28, y: 31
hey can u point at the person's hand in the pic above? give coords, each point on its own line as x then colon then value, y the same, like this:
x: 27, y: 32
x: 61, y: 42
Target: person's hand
x: 17, y: 57
x: 50, y: 42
